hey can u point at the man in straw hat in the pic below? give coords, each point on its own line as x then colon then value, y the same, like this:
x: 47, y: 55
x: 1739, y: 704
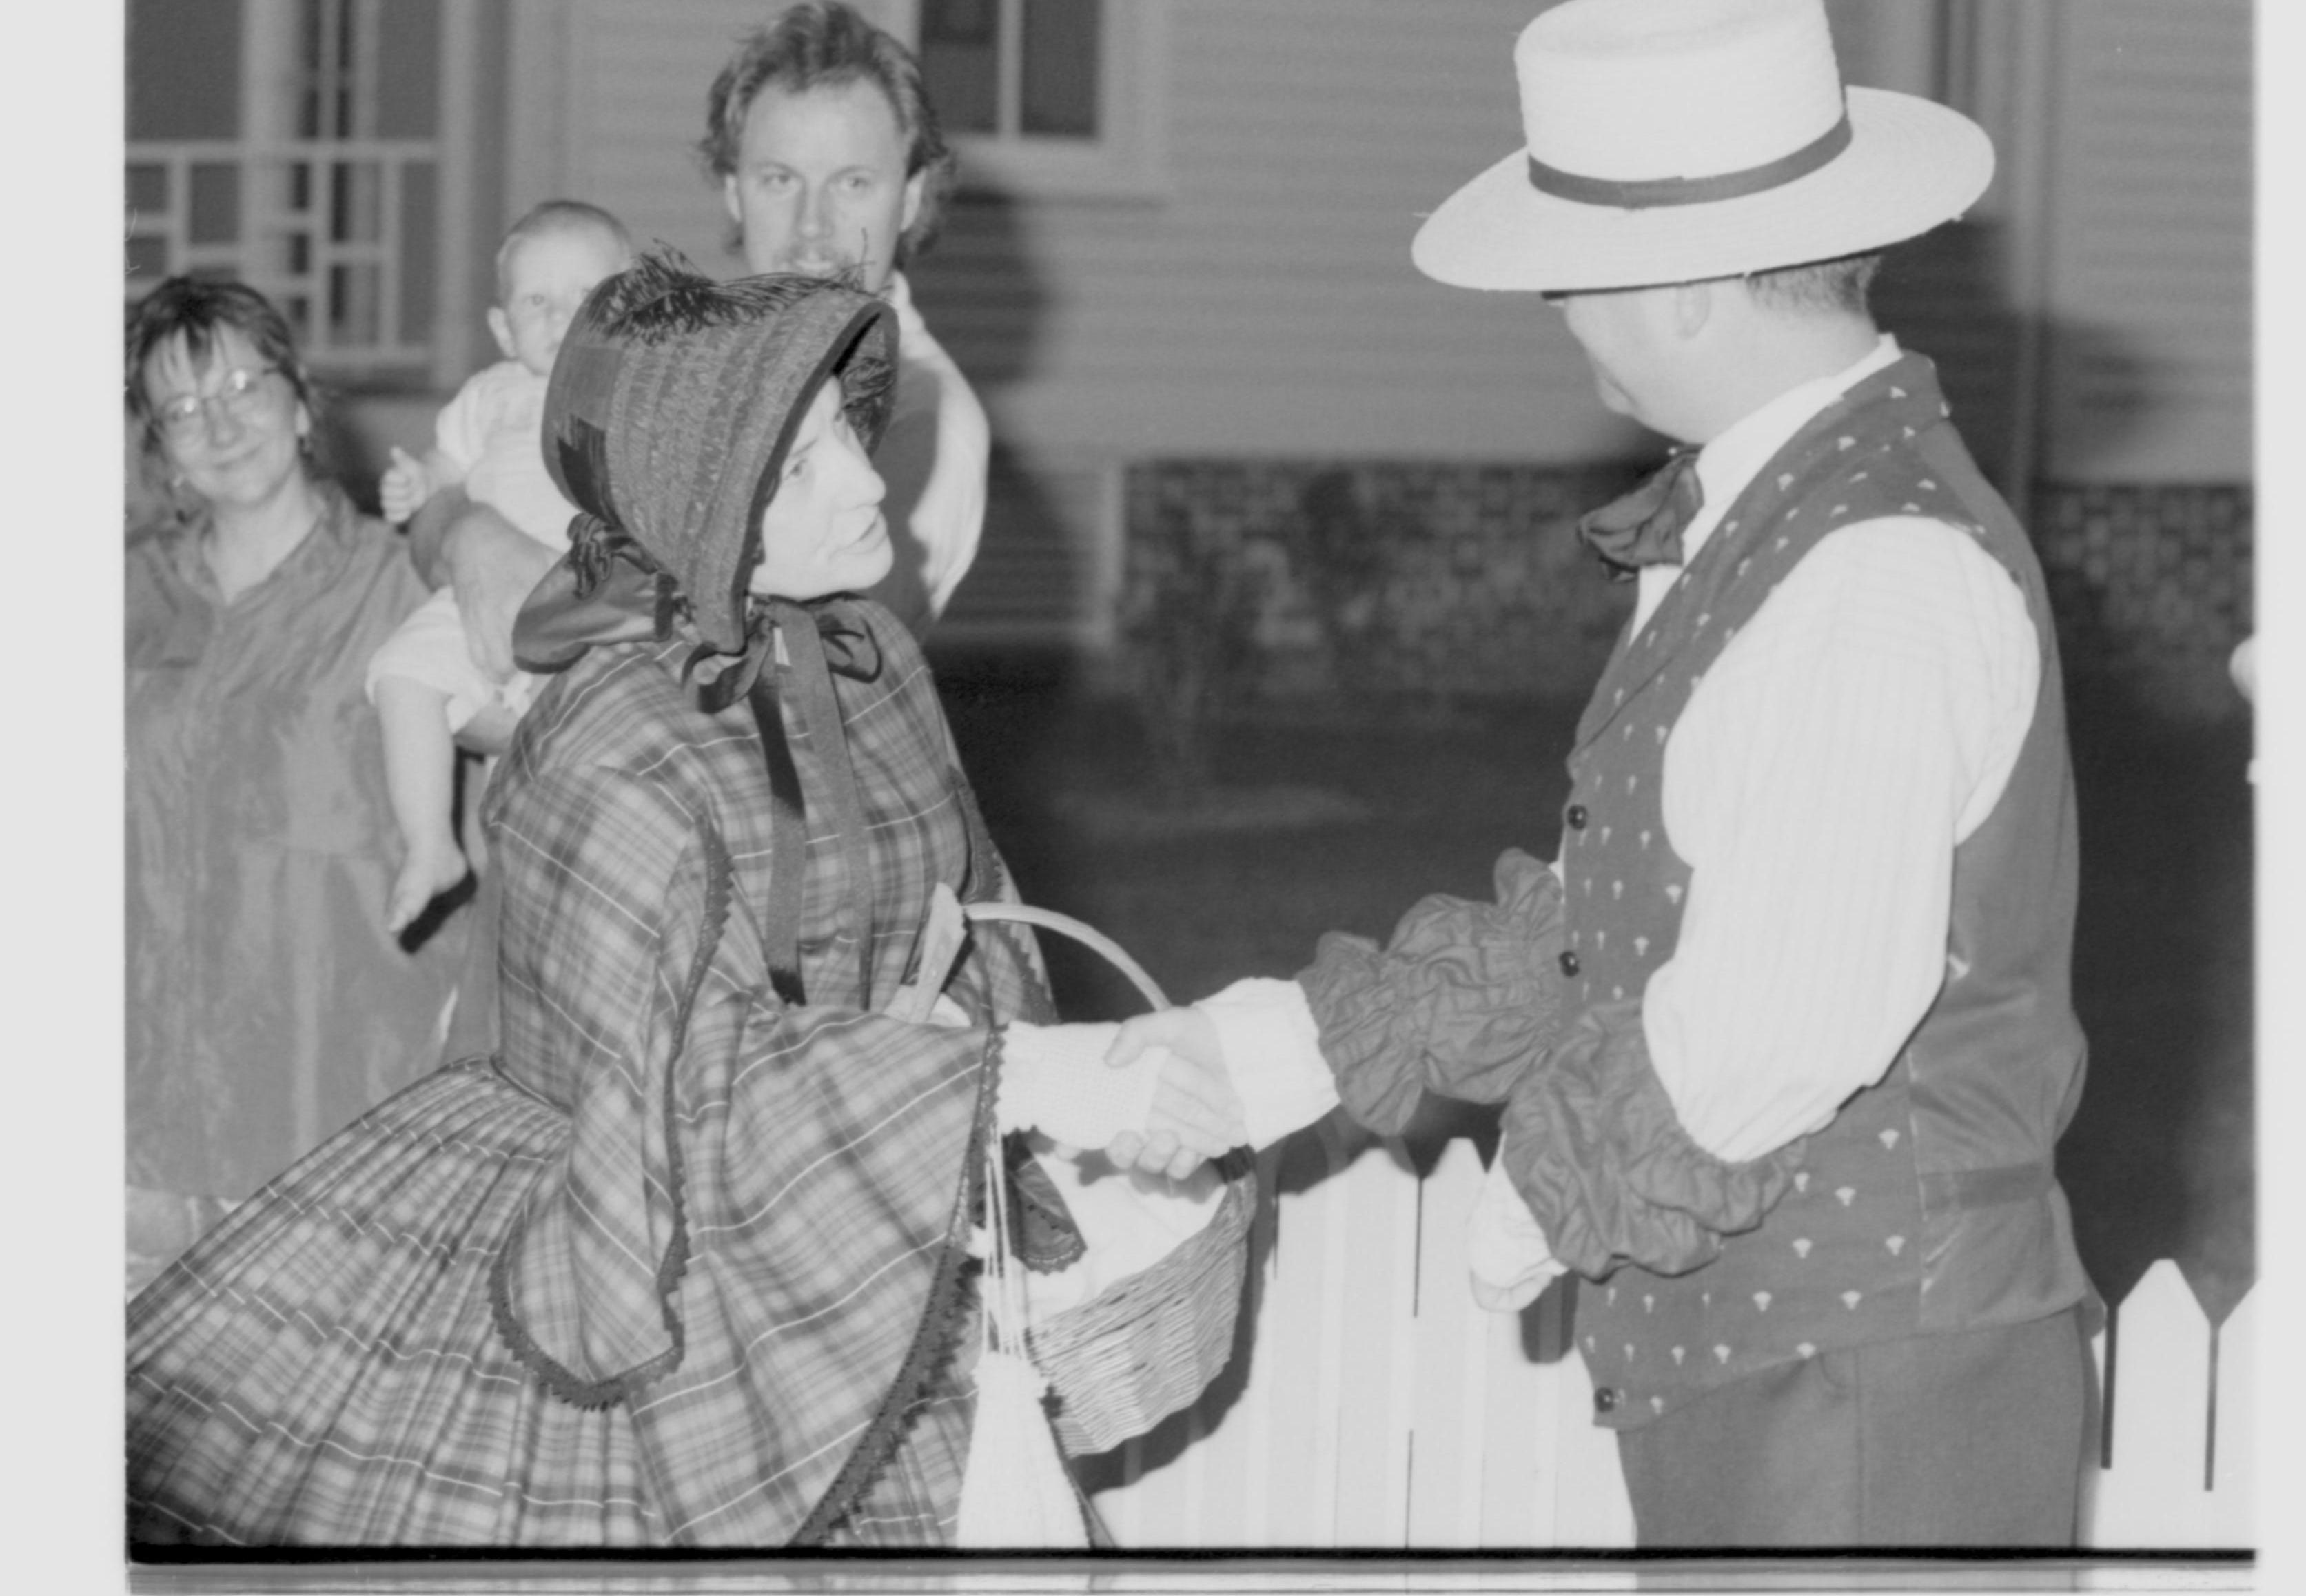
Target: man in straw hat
x: 1810, y: 932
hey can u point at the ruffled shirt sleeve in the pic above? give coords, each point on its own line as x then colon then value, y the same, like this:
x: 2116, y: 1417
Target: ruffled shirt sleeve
x: 1463, y: 1000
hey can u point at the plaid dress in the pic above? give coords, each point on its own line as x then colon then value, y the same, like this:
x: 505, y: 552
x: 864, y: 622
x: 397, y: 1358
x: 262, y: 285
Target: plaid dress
x: 652, y: 1274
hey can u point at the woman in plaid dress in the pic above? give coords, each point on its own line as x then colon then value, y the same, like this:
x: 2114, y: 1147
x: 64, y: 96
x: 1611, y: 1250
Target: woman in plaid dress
x: 681, y: 1263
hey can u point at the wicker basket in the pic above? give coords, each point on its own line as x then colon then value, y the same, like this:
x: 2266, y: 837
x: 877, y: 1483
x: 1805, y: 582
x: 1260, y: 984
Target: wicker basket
x: 1149, y: 1344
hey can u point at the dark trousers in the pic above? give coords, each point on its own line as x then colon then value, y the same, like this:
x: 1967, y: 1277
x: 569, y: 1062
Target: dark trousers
x: 1973, y: 1439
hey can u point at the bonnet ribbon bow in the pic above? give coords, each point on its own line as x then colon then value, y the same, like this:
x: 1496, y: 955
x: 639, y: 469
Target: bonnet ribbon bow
x: 821, y: 637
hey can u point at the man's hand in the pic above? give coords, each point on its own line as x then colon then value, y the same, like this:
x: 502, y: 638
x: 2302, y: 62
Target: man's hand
x: 1196, y: 1114
x: 491, y: 563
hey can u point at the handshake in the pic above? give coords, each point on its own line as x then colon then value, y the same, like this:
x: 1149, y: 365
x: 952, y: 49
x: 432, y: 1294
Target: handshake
x: 1153, y: 1095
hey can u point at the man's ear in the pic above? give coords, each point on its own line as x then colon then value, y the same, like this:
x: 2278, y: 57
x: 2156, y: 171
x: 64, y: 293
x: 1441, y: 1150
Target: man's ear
x: 729, y: 200
x: 501, y: 329
x: 914, y: 185
x: 1693, y: 307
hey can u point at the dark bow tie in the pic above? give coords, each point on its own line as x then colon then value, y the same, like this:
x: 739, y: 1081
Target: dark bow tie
x: 1645, y: 527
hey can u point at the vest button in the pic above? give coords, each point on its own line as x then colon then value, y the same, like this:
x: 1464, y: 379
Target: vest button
x: 1568, y: 962
x: 1605, y: 1399
x: 1576, y: 816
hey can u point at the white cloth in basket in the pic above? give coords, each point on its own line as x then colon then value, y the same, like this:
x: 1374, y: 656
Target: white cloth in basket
x: 1128, y: 1221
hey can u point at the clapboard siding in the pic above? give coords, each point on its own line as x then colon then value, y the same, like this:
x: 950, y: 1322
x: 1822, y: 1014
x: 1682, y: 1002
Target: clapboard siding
x: 633, y: 107
x: 2149, y: 229
x: 1267, y: 303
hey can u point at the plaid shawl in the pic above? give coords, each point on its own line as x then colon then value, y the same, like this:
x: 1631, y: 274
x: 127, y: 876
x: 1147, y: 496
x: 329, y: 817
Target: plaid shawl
x: 705, y: 1236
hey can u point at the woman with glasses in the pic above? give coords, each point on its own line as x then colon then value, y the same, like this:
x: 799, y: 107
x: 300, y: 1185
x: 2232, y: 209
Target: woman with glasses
x: 267, y: 1005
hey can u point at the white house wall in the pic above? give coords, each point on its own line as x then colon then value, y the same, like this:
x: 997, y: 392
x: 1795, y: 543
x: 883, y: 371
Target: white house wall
x: 1267, y: 303
x: 2148, y: 243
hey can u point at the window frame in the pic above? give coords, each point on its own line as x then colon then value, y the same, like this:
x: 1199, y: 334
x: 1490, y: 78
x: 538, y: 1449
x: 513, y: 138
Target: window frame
x: 269, y: 144
x: 1129, y: 157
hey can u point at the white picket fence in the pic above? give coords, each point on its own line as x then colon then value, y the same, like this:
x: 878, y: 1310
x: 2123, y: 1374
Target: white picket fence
x: 1373, y: 1405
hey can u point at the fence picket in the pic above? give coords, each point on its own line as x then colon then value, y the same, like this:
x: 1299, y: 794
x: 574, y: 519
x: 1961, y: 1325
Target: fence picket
x: 1301, y: 1399
x: 1448, y: 1357
x: 1250, y: 1427
x: 2234, y: 1493
x: 1369, y: 1425
x: 2159, y: 1405
x: 1518, y: 1461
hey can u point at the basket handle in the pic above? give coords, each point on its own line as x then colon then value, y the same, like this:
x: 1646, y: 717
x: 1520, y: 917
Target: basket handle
x: 941, y: 938
x: 1087, y: 935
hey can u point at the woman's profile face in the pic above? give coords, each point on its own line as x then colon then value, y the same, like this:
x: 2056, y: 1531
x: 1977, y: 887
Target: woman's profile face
x: 242, y: 445
x: 822, y: 531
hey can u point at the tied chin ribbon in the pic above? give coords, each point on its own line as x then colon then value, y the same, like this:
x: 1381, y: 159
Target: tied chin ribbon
x: 821, y: 638
x: 1645, y: 527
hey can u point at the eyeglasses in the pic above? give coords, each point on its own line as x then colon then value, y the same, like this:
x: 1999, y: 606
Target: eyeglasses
x: 241, y: 393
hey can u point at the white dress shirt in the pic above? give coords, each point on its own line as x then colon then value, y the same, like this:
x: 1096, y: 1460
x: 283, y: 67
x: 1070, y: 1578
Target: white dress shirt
x: 1861, y: 725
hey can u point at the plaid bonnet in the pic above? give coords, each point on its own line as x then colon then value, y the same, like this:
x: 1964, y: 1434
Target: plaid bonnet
x: 671, y: 406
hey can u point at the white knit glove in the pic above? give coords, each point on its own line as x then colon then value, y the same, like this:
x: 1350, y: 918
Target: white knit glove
x: 1272, y: 1056
x: 1054, y: 1079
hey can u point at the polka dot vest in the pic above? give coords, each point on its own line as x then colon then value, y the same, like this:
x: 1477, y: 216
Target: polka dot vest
x: 1902, y: 1204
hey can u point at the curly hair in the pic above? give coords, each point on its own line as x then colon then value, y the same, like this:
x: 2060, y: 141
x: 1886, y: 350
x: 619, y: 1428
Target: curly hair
x: 824, y: 43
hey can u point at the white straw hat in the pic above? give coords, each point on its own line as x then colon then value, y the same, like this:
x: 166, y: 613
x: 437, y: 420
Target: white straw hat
x: 1675, y: 139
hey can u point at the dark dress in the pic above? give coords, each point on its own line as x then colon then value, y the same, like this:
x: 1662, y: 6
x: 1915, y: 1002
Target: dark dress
x: 681, y: 1265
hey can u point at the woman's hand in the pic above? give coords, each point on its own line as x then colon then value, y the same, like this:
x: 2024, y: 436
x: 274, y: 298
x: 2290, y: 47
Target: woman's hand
x: 1195, y: 1103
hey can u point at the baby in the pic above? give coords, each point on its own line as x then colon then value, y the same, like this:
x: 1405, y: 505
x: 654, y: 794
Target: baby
x: 425, y: 682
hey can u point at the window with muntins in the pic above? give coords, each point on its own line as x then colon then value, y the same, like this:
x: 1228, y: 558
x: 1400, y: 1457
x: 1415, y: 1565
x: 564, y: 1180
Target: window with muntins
x: 1048, y: 98
x: 294, y: 145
